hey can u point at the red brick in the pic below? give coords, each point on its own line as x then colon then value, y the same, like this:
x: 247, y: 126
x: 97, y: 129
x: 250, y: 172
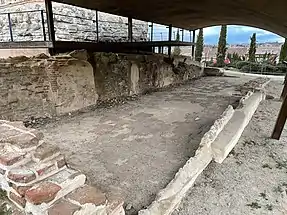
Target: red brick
x: 46, y: 170
x: 42, y: 193
x: 21, y: 190
x: 9, y: 159
x: 63, y: 207
x: 88, y: 194
x: 45, y: 151
x: 21, y: 175
x: 17, y: 199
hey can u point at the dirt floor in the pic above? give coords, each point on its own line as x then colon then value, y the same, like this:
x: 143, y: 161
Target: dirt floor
x: 136, y: 149
x: 253, y: 179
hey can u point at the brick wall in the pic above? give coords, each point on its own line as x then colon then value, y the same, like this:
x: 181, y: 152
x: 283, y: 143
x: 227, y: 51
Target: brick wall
x: 44, y: 87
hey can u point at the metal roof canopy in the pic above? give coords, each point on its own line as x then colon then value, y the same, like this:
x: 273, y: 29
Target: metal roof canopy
x: 194, y: 14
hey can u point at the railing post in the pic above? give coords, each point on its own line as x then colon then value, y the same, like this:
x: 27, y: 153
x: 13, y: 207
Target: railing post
x: 130, y: 29
x: 97, y: 25
x: 10, y: 27
x: 151, y: 32
x: 182, y: 35
x: 43, y: 25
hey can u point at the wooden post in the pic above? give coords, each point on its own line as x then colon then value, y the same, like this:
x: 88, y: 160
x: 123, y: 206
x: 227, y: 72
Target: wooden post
x: 281, y: 120
x: 169, y: 39
x: 130, y: 29
x: 50, y: 23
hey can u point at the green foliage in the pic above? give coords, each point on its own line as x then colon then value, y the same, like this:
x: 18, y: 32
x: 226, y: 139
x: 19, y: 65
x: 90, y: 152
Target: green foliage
x: 199, y: 46
x: 261, y: 68
x: 221, y: 50
x: 176, y: 50
x: 283, y: 52
x: 252, y: 48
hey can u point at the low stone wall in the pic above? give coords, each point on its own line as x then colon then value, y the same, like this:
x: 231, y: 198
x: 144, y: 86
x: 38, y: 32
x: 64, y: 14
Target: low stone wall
x: 45, y: 86
x: 119, y: 75
x: 35, y: 176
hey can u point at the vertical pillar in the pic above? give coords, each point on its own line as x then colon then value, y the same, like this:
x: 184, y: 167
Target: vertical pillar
x: 182, y: 35
x: 169, y: 39
x: 192, y: 47
x: 130, y: 29
x: 97, y: 25
x: 50, y: 23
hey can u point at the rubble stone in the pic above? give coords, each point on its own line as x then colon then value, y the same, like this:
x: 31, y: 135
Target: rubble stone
x: 21, y: 175
x: 63, y: 207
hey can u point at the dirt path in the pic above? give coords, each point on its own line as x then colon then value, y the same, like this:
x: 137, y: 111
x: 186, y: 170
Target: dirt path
x: 136, y: 149
x: 253, y: 179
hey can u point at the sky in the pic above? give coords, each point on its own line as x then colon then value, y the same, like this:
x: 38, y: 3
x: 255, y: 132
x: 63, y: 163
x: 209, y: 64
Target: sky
x: 235, y: 34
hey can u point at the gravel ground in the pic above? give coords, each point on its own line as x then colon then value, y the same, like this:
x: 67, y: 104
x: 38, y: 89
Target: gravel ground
x: 253, y: 179
x: 135, y: 149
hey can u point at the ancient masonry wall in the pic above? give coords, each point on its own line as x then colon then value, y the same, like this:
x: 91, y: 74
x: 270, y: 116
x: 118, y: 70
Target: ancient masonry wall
x: 45, y: 86
x: 37, y: 180
x: 28, y: 26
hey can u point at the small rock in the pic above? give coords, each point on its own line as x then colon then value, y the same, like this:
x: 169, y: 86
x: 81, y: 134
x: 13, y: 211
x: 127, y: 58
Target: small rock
x: 129, y: 207
x: 197, y: 118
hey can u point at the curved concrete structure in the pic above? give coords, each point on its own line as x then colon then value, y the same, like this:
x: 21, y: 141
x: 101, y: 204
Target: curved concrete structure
x: 194, y: 14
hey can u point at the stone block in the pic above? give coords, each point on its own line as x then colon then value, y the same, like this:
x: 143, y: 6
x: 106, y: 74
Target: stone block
x: 115, y: 205
x: 21, y: 190
x: 45, y: 151
x: 63, y: 207
x: 88, y: 194
x: 44, y: 192
x: 8, y: 158
x: 18, y: 200
x: 21, y: 175
x: 68, y: 180
x: 23, y: 140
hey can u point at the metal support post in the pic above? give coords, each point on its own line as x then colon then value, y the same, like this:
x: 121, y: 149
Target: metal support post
x: 50, y: 23
x: 169, y: 39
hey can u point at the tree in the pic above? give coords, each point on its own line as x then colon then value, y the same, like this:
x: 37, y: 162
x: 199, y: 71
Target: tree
x: 199, y: 46
x: 176, y: 50
x: 221, y: 49
x: 252, y: 48
x: 283, y: 52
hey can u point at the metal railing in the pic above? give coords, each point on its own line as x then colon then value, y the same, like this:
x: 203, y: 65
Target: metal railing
x: 32, y: 26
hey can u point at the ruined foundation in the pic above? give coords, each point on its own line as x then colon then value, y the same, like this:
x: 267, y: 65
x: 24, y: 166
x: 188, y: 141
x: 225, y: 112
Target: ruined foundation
x: 37, y: 180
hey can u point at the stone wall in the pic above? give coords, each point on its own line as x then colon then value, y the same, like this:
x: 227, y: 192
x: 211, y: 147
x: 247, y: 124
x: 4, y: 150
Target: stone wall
x: 71, y: 23
x: 119, y: 75
x: 45, y: 86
